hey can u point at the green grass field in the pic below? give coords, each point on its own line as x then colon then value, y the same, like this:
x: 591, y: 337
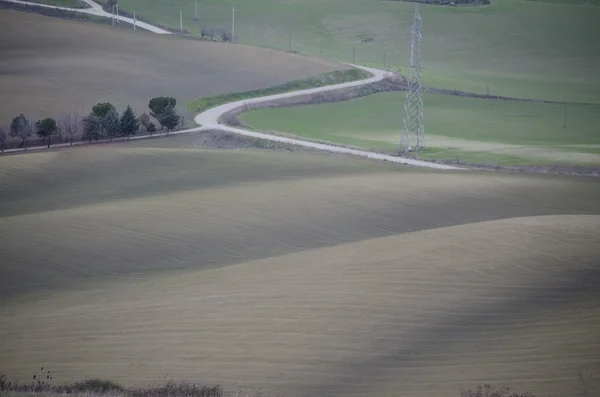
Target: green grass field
x: 513, y: 48
x: 476, y: 130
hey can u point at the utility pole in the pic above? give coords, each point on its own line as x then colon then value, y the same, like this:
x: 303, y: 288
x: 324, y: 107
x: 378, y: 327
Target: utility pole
x: 412, y: 137
x: 134, y: 20
x: 233, y: 24
x: 196, y: 12
x: 180, y: 20
x: 385, y: 59
x: 113, y: 16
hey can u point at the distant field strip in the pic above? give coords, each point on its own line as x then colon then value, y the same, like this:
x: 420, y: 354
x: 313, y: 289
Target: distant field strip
x: 515, y: 48
x: 492, y: 131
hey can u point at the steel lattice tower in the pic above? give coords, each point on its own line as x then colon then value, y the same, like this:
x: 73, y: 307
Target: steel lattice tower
x: 413, y: 128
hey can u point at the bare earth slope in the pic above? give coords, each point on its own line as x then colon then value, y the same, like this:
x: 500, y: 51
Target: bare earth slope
x: 49, y: 65
x: 300, y: 273
x: 95, y: 212
x: 418, y: 314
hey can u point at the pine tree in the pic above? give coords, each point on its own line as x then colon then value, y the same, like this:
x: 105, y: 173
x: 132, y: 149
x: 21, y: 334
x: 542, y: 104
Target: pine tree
x: 23, y: 128
x: 129, y: 122
x: 158, y: 106
x: 168, y: 118
x: 92, y: 128
x: 111, y: 124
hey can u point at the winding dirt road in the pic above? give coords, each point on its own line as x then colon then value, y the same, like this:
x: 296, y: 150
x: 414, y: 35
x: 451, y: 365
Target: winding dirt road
x: 208, y: 120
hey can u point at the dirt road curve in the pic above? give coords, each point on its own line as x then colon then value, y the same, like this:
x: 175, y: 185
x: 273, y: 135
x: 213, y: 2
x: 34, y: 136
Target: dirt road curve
x: 96, y: 9
x: 208, y: 120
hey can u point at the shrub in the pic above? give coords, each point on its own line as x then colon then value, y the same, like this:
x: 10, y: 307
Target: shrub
x: 225, y: 36
x: 182, y: 389
x: 90, y: 386
x: 492, y: 391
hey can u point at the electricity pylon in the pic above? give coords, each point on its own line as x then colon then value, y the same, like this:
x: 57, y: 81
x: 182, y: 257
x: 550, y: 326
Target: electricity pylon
x: 413, y: 127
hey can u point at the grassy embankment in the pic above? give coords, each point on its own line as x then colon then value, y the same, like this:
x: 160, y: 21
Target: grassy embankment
x: 335, y: 77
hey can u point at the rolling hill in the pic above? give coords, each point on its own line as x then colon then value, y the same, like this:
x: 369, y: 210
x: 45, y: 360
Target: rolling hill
x: 52, y: 65
x: 298, y: 273
x: 518, y: 48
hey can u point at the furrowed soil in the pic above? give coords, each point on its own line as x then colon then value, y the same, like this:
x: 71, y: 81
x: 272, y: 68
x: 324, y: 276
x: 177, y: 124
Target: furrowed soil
x: 52, y: 65
x: 295, y: 272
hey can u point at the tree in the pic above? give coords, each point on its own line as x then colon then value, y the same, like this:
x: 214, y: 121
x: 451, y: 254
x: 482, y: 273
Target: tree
x: 159, y: 104
x: 145, y: 120
x: 225, y: 36
x: 23, y: 128
x: 168, y: 118
x: 204, y: 32
x: 3, y: 137
x: 111, y: 124
x: 91, y: 128
x: 46, y: 128
x: 70, y: 124
x: 129, y: 122
x: 101, y: 110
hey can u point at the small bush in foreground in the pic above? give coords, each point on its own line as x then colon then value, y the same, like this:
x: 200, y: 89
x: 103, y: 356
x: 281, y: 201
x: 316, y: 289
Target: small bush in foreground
x: 41, y: 383
x: 492, y: 391
x: 181, y: 389
x: 90, y: 386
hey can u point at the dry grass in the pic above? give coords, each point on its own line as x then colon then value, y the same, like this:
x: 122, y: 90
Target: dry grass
x: 345, y: 276
x: 50, y: 65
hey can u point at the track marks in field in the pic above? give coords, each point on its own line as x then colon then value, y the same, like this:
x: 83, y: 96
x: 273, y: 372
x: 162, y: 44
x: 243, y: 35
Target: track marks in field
x: 512, y: 300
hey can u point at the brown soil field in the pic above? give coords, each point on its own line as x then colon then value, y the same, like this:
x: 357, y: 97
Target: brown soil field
x: 295, y: 272
x: 50, y: 65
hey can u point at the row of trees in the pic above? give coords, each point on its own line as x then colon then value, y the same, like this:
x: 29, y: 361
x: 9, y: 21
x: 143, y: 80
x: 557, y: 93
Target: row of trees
x: 103, y: 122
x: 210, y: 34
